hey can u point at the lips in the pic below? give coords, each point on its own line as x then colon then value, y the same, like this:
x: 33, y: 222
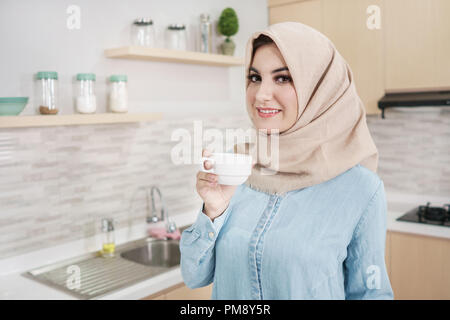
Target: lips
x: 268, y: 112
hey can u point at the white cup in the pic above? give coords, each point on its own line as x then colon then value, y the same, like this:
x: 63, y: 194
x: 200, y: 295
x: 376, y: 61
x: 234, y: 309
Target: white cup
x: 231, y: 168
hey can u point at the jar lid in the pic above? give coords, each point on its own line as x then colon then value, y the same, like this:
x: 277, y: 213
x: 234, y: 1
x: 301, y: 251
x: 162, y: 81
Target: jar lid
x: 47, y: 75
x: 204, y: 17
x: 118, y: 77
x: 86, y: 76
x: 176, y: 27
x: 143, y: 22
x: 107, y: 225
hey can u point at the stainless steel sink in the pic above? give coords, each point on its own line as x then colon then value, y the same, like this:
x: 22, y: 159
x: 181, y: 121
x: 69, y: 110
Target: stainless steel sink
x: 133, y: 262
x: 157, y: 253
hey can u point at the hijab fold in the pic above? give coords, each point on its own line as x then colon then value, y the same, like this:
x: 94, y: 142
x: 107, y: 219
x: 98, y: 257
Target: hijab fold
x: 330, y: 134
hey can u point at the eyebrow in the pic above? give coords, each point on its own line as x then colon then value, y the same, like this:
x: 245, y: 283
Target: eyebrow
x: 274, y: 71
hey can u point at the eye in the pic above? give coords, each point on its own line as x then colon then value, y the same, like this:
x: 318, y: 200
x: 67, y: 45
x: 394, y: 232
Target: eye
x: 285, y: 79
x: 251, y: 77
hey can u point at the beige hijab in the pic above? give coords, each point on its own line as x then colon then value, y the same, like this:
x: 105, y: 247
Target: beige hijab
x: 330, y: 135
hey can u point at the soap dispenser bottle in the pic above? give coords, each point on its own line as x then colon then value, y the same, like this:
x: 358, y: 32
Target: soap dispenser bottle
x: 109, y: 245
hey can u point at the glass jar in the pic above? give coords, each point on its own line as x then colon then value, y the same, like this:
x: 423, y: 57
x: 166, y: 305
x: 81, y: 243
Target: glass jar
x: 86, y: 101
x: 109, y: 243
x: 205, y: 33
x: 118, y: 95
x: 176, y: 37
x: 143, y: 33
x: 47, y: 87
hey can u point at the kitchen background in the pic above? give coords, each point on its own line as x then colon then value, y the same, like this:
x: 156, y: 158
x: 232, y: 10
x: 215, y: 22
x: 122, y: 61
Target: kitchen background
x: 56, y: 183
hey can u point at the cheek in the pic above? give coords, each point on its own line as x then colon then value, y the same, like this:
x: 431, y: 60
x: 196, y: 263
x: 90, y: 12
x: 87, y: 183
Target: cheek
x: 250, y: 94
x: 288, y: 98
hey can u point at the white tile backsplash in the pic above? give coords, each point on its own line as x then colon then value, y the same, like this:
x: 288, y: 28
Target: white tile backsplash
x: 84, y: 173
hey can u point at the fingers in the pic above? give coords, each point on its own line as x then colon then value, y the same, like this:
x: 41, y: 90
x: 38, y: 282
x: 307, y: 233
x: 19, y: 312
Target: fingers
x: 208, y: 177
x: 206, y: 153
x: 207, y: 164
x: 206, y: 180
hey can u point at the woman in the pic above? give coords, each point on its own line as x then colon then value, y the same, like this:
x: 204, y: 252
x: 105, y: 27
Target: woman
x: 316, y: 228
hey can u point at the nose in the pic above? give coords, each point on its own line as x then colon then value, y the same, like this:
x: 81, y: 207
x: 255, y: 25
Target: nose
x: 264, y: 93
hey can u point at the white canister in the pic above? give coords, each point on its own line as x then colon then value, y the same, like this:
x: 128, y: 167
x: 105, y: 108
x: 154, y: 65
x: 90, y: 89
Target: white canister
x: 143, y: 33
x: 176, y: 38
x: 118, y: 96
x: 86, y: 101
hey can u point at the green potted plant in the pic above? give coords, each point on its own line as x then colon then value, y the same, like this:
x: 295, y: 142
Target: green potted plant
x: 228, y: 26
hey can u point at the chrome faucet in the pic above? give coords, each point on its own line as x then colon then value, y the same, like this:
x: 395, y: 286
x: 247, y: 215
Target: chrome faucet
x: 170, y: 226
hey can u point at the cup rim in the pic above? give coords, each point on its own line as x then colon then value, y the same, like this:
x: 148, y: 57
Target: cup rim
x: 241, y: 158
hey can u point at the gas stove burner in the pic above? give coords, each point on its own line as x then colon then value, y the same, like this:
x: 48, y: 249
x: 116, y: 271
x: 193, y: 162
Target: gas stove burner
x: 428, y: 215
x: 433, y: 213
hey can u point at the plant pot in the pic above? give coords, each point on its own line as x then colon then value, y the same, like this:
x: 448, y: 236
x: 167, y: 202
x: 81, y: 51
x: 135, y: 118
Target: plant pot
x: 228, y: 47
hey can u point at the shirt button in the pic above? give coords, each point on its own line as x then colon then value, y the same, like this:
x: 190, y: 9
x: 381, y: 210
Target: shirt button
x: 211, y: 234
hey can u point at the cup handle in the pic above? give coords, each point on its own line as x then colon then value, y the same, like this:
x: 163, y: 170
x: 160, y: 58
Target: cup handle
x: 208, y: 170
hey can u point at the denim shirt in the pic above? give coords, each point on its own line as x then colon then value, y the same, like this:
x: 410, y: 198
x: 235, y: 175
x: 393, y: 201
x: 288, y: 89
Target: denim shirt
x: 325, y: 241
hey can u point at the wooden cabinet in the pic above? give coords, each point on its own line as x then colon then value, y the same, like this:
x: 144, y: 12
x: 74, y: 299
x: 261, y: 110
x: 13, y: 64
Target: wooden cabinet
x: 441, y: 10
x: 307, y: 12
x: 409, y: 51
x: 274, y: 3
x: 408, y: 43
x: 419, y: 266
x: 417, y: 43
x: 182, y: 292
x: 387, y: 256
x: 345, y: 24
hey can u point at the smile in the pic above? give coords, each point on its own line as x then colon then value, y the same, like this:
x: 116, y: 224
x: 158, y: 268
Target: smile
x: 267, y: 113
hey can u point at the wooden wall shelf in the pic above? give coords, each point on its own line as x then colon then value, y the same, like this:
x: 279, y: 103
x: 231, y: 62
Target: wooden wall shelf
x: 75, y: 119
x: 167, y: 55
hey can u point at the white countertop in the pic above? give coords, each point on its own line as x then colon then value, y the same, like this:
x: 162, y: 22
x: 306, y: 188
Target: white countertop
x: 398, y: 204
x: 15, y: 286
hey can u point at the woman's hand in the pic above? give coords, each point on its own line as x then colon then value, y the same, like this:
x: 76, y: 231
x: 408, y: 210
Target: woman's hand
x: 215, y: 196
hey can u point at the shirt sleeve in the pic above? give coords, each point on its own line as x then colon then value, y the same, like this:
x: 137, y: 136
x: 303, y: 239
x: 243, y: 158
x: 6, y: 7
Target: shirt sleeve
x: 197, y: 249
x: 365, y: 271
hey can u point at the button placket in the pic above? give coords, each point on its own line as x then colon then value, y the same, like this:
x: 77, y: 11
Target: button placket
x: 260, y: 243
x: 254, y: 246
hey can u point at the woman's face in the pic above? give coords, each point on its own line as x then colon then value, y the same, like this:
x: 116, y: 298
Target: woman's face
x: 270, y: 86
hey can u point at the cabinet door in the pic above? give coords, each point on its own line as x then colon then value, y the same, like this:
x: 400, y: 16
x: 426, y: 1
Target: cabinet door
x: 345, y: 24
x: 185, y: 293
x: 182, y: 292
x: 442, y: 23
x: 417, y: 43
x: 387, y: 255
x: 307, y: 12
x: 420, y: 267
x: 274, y: 3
